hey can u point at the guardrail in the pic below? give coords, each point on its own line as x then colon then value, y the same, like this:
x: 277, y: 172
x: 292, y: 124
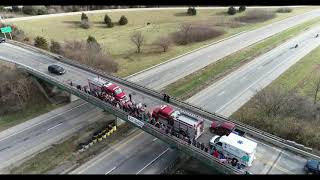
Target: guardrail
x: 254, y: 132
x: 171, y: 140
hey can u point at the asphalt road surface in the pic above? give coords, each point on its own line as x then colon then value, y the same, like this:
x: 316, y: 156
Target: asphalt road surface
x: 23, y: 140
x: 268, y: 159
x: 150, y: 139
x: 161, y: 76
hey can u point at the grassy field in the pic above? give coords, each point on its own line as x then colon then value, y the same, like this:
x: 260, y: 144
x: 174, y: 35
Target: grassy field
x: 117, y: 42
x: 299, y: 79
x: 193, y: 83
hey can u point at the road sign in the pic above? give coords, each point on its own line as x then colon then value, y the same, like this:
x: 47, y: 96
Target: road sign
x: 135, y: 121
x: 6, y: 29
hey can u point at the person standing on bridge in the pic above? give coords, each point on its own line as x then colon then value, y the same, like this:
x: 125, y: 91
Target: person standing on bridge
x: 165, y: 97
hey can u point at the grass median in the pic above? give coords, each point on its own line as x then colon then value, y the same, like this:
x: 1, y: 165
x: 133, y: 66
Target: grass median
x: 117, y: 42
x: 301, y: 124
x: 199, y: 80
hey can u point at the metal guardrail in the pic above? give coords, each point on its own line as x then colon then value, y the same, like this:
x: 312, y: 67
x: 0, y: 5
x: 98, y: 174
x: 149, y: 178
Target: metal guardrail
x: 254, y: 132
x: 171, y: 140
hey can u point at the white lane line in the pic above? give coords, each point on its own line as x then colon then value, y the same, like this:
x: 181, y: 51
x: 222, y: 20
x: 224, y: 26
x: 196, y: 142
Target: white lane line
x: 221, y: 93
x: 154, y: 139
x: 54, y: 126
x: 152, y: 161
x: 111, y: 170
x: 41, y: 122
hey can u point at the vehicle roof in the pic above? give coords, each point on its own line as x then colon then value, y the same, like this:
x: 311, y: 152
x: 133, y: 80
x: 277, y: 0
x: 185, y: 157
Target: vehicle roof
x: 111, y: 86
x: 313, y: 163
x: 97, y: 80
x: 239, y: 142
x: 228, y: 125
x: 188, y: 119
x: 55, y: 66
x: 165, y: 109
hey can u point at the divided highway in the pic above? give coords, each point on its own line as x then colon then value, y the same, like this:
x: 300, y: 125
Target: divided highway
x: 23, y: 140
x: 161, y: 76
x: 17, y: 54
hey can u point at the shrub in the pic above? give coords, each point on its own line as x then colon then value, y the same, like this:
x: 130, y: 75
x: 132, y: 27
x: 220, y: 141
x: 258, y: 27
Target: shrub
x: 163, y: 42
x: 30, y: 10
x: 192, y: 11
x: 255, y: 16
x: 123, y: 20
x: 242, y: 8
x: 79, y: 51
x: 284, y: 10
x: 232, y: 10
x: 55, y: 47
x: 41, y: 42
x: 85, y: 24
x: 42, y: 10
x: 107, y: 19
x: 188, y: 33
x: 84, y: 16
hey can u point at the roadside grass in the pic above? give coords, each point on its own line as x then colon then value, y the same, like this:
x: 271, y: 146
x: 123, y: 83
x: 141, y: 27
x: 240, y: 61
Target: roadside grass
x: 195, y: 82
x: 64, y: 154
x: 298, y: 78
x: 116, y: 40
x: 33, y: 109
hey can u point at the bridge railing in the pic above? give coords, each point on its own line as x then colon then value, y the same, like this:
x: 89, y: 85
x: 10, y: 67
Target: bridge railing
x: 171, y: 140
x: 254, y: 132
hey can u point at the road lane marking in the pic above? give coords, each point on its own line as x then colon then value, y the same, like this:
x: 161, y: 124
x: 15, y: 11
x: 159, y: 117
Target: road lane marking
x: 41, y: 122
x: 153, y: 161
x: 111, y: 170
x: 221, y: 93
x: 274, y: 162
x: 54, y: 126
x: 115, y: 149
x: 154, y: 139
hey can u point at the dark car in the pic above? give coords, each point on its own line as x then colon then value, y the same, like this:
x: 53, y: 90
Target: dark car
x: 56, y: 69
x: 312, y: 166
x: 2, y: 40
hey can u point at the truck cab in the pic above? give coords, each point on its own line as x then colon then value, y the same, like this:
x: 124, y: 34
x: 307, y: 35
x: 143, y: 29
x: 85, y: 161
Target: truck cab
x: 235, y: 147
x: 115, y: 90
x: 224, y: 128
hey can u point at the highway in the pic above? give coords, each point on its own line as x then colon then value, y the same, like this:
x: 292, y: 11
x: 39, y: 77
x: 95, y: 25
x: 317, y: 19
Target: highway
x: 150, y: 139
x: 167, y: 73
x: 264, y: 165
x: 21, y: 141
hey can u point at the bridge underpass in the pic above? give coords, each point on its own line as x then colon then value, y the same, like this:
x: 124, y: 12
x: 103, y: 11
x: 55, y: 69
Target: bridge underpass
x: 156, y: 98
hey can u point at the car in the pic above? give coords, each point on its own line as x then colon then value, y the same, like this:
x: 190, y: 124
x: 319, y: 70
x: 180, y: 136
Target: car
x: 2, y: 40
x: 312, y: 166
x: 55, y: 69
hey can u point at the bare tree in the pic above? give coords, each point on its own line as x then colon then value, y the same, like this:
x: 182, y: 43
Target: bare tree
x: 138, y: 39
x: 163, y: 42
x: 316, y: 88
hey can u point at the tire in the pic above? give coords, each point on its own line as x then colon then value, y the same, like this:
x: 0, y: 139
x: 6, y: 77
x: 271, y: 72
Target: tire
x: 234, y: 161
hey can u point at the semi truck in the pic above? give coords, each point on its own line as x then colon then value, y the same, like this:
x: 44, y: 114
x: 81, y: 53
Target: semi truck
x: 185, y: 124
x: 235, y: 147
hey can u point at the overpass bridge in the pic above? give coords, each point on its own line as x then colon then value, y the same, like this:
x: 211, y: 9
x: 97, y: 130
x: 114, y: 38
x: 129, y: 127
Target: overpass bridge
x: 80, y: 73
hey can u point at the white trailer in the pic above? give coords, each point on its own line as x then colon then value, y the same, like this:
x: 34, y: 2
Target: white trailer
x: 235, y: 147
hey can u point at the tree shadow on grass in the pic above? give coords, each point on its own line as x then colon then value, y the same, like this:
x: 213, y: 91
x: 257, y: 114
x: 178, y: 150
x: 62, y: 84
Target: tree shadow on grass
x: 75, y: 24
x: 181, y: 14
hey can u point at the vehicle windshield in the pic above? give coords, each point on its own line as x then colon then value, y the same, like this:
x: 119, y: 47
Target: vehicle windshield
x: 217, y: 139
x: 118, y: 91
